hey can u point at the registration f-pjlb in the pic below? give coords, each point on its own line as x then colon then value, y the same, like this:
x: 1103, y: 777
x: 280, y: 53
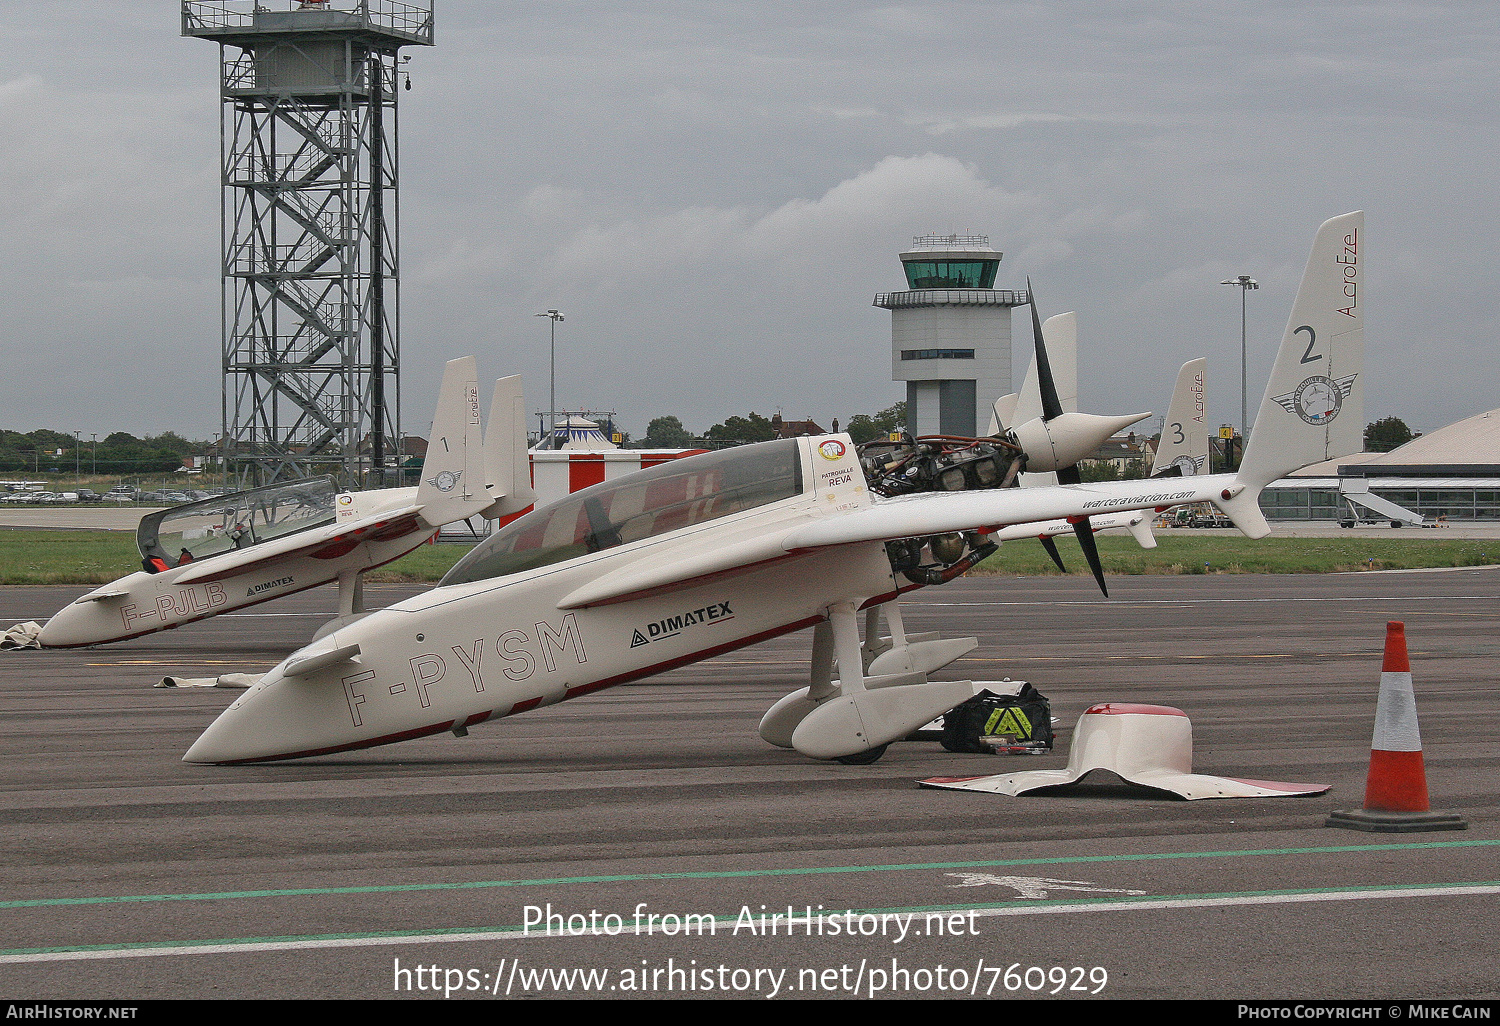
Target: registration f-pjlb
x: 715, y: 552
x: 225, y: 553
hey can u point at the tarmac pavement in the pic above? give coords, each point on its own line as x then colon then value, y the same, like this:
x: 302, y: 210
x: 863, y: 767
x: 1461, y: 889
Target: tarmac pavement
x: 427, y: 868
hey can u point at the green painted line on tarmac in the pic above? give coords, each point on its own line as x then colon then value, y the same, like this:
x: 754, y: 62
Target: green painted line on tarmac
x: 735, y: 874
x: 140, y: 949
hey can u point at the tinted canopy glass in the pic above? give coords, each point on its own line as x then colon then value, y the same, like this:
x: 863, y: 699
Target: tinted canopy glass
x: 237, y: 521
x: 679, y: 494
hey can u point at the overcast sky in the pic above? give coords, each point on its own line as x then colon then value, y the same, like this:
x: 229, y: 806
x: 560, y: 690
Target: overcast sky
x: 713, y: 192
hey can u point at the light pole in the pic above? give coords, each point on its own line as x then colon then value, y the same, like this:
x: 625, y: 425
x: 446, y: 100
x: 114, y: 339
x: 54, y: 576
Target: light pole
x: 1246, y: 283
x: 554, y: 316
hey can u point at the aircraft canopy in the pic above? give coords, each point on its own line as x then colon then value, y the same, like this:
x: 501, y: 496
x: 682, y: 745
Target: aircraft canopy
x: 682, y: 493
x: 236, y: 521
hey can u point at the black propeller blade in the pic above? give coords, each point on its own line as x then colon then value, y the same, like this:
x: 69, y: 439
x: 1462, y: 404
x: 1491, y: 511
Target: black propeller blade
x: 1085, y: 535
x: 1052, y: 407
x: 1051, y: 547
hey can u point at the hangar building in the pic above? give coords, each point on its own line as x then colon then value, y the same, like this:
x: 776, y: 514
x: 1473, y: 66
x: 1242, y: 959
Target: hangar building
x: 1453, y: 472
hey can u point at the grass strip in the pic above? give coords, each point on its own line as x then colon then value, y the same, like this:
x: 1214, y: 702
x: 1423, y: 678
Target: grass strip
x: 98, y: 557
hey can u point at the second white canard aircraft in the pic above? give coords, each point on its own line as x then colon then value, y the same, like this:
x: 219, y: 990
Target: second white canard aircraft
x: 225, y: 553
x: 1181, y: 452
x: 715, y: 552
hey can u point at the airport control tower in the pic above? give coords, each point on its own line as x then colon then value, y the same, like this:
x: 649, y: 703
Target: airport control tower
x: 950, y: 334
x: 311, y: 329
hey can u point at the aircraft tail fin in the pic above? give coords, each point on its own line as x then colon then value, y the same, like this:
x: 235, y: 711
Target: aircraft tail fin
x: 453, y: 480
x: 507, y: 461
x: 1313, y: 408
x: 1060, y: 332
x: 1184, y: 434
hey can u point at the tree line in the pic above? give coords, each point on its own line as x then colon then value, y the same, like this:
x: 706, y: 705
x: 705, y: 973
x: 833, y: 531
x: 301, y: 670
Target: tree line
x: 124, y: 453
x: 668, y: 432
x: 117, y: 453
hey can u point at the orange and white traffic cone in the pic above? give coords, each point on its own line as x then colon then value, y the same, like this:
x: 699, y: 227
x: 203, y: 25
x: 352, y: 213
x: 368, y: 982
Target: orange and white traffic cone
x: 1396, y: 789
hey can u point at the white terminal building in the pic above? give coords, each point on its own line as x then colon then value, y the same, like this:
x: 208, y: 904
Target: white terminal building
x: 950, y: 334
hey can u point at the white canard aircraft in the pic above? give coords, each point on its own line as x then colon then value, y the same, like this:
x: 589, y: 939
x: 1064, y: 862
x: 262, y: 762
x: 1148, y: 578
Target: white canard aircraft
x: 715, y: 552
x: 225, y: 553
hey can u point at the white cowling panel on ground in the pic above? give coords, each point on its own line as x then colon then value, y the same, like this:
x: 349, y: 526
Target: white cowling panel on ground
x: 1149, y: 745
x: 22, y: 635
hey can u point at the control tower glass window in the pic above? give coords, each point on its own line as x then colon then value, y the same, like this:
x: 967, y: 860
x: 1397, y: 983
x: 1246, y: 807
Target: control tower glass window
x: 950, y: 274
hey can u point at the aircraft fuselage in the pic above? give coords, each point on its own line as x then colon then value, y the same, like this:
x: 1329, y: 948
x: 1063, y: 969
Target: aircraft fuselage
x: 458, y: 656
x: 142, y: 603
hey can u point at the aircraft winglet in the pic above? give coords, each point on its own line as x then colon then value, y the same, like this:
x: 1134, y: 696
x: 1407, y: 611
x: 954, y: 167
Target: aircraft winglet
x: 1060, y: 332
x: 1139, y: 527
x: 507, y: 462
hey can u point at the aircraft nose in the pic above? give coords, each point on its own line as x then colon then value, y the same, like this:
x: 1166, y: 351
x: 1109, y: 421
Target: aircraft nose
x: 70, y: 627
x: 225, y: 740
x: 322, y: 699
x: 255, y: 726
x: 284, y: 718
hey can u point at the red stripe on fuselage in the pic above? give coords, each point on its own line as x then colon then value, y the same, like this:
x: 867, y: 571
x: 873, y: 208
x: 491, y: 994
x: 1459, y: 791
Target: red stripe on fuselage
x: 405, y: 735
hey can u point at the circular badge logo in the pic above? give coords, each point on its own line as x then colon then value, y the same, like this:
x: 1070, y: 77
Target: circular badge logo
x: 445, y: 481
x: 1318, y: 400
x: 346, y: 499
x: 1187, y: 465
x: 833, y: 449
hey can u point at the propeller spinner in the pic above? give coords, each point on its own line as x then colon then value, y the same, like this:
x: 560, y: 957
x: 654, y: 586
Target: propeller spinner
x: 1058, y: 440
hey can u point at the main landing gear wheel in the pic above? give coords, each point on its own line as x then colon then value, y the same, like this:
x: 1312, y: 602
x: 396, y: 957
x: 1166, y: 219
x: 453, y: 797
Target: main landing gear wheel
x: 866, y: 757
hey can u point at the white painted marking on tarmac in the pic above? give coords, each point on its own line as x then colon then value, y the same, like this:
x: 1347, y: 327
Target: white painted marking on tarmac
x: 518, y: 933
x: 1034, y: 886
x: 252, y: 616
x: 1238, y: 899
x: 1418, y: 570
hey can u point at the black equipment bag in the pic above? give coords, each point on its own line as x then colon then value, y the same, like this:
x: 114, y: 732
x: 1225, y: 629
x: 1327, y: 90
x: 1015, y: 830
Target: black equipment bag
x: 1020, y: 722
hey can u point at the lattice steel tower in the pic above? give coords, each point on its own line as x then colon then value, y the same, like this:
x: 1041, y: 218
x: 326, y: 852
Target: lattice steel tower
x: 308, y: 144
